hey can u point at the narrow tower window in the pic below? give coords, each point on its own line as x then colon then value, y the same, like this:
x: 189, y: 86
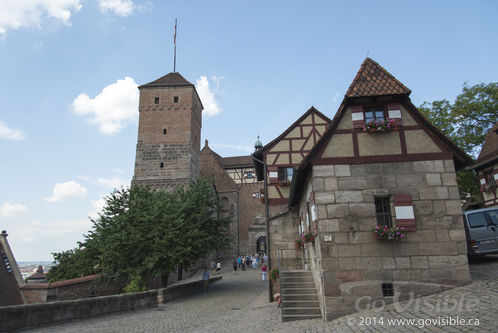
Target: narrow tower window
x: 175, y: 99
x: 161, y: 165
x: 156, y: 100
x: 164, y: 131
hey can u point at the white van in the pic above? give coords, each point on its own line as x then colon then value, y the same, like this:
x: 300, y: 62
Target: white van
x: 481, y: 227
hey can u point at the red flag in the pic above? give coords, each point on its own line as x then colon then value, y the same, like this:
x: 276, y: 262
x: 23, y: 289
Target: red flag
x: 174, y: 38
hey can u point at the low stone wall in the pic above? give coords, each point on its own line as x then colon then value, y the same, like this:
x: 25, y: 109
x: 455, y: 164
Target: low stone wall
x: 182, y: 289
x: 34, y: 315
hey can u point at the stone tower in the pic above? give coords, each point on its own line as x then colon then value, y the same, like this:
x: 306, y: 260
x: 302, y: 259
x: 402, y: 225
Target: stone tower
x: 169, y: 132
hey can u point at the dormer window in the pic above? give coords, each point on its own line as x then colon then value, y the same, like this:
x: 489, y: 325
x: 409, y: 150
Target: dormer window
x: 362, y: 116
x: 374, y: 114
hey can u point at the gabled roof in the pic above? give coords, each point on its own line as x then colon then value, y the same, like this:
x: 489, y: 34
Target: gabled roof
x: 373, y: 80
x: 461, y: 158
x: 489, y: 150
x: 259, y: 153
x: 172, y: 79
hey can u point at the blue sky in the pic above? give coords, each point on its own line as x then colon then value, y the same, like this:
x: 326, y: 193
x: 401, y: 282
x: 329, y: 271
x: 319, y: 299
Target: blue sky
x: 69, y: 70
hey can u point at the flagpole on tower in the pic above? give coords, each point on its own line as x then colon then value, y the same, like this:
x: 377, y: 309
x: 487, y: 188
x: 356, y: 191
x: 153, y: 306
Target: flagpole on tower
x: 174, y: 39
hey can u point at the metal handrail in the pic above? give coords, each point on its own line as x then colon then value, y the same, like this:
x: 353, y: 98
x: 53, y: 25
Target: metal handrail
x: 280, y: 266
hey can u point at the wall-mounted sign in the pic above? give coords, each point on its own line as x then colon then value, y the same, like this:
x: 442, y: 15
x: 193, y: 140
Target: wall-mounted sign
x: 328, y: 238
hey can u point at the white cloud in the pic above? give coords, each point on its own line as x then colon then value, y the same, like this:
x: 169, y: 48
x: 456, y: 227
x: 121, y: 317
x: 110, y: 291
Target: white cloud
x: 15, y: 14
x: 118, y: 7
x: 236, y: 147
x: 67, y: 190
x: 10, y: 133
x: 217, y: 80
x: 207, y: 96
x: 9, y: 210
x: 114, y: 182
x: 113, y: 108
x: 97, y: 205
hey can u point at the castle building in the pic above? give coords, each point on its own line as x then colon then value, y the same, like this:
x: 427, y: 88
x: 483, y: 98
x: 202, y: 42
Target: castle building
x: 380, y: 165
x: 169, y: 131
x: 240, y: 194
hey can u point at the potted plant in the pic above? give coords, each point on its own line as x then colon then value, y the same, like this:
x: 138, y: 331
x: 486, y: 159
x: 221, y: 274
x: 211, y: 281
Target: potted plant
x: 386, y: 233
x: 274, y: 274
x: 308, y: 237
x: 380, y: 125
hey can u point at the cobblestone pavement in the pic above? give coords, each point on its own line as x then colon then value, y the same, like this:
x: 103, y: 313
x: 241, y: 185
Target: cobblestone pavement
x: 240, y: 303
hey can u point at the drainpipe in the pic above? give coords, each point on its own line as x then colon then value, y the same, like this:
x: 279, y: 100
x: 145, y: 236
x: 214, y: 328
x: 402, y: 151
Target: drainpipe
x: 265, y: 180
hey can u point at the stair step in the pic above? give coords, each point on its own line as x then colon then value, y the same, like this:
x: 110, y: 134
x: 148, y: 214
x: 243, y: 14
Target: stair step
x: 289, y: 317
x: 299, y: 284
x: 301, y: 311
x: 299, y: 297
x: 300, y: 303
x: 298, y: 291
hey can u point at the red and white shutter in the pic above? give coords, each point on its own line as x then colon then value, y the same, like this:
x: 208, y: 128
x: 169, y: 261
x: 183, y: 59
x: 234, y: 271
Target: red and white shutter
x: 403, y: 208
x: 394, y: 112
x: 358, y: 116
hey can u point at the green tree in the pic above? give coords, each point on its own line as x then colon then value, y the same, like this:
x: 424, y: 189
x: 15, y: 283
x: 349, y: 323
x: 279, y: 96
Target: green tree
x: 466, y: 122
x: 144, y: 233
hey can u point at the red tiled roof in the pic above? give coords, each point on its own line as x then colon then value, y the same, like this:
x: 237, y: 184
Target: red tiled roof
x: 169, y: 80
x: 237, y: 161
x: 61, y: 283
x: 489, y: 150
x: 373, y: 80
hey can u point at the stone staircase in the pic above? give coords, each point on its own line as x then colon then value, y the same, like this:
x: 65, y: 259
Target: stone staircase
x: 299, y: 297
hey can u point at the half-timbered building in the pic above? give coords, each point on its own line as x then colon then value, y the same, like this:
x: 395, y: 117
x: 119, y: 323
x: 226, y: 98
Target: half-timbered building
x: 378, y: 194
x: 287, y: 151
x: 486, y: 167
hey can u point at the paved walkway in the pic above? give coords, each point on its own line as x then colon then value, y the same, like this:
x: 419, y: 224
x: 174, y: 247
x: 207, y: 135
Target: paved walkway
x: 240, y: 304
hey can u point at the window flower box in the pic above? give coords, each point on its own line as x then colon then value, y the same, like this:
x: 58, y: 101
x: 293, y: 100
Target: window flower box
x: 375, y: 125
x: 283, y: 183
x: 488, y: 188
x: 382, y: 232
x: 308, y: 237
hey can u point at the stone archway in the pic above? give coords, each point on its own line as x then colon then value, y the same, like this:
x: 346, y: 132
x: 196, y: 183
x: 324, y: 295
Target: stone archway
x: 256, y: 234
x: 261, y: 244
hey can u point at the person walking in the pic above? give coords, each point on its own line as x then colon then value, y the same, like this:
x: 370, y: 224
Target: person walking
x: 234, y: 266
x: 205, y: 279
x: 218, y: 267
x: 263, y: 272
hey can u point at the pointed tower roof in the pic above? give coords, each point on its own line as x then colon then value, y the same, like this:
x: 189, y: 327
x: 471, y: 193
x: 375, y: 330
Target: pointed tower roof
x: 172, y: 79
x: 373, y: 80
x: 489, y: 150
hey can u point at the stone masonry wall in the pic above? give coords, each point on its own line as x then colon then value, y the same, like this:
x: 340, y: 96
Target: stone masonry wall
x: 435, y: 254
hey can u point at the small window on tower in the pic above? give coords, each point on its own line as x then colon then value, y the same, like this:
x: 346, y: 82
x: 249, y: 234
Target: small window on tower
x: 161, y: 165
x: 175, y: 99
x: 164, y: 131
x: 156, y: 100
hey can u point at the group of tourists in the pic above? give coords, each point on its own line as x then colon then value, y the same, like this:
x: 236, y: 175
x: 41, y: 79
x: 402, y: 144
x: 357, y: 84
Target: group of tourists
x: 255, y: 262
